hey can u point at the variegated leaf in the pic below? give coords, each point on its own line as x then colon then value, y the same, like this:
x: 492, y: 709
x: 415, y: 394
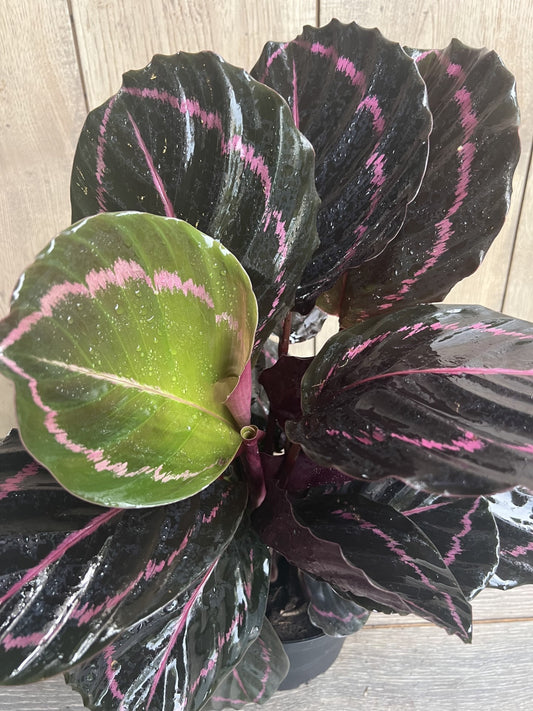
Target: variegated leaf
x: 462, y: 528
x: 175, y: 659
x: 125, y: 338
x: 256, y: 677
x: 330, y: 612
x: 75, y: 575
x: 366, y: 550
x: 513, y: 512
x: 465, y: 194
x: 361, y: 102
x: 193, y: 137
x: 441, y: 397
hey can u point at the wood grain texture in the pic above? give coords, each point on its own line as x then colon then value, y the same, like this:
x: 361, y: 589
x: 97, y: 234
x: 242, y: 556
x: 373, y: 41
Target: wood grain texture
x: 519, y: 295
x: 114, y: 37
x: 401, y: 667
x: 503, y: 25
x: 41, y: 112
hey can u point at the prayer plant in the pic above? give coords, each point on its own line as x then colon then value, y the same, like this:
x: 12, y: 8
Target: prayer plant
x: 170, y: 443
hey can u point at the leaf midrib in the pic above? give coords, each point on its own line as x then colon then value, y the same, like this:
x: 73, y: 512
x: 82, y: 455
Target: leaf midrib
x: 135, y: 385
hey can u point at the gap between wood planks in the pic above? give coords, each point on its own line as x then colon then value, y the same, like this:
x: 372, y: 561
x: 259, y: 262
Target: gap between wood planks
x: 477, y: 623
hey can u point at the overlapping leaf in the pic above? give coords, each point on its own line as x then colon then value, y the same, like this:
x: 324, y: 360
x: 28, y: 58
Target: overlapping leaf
x: 465, y: 194
x: 282, y: 384
x: 462, y: 529
x: 361, y: 102
x: 194, y: 137
x: 441, y: 397
x: 330, y: 612
x: 366, y: 551
x: 302, y: 474
x: 176, y: 658
x: 465, y: 533
x: 513, y: 512
x: 256, y: 677
x: 124, y: 340
x: 75, y: 575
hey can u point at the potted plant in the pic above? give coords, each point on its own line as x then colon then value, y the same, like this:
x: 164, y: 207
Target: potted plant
x: 172, y: 447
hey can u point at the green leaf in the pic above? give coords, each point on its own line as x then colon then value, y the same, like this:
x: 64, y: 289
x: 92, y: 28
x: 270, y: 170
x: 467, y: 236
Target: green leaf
x: 124, y: 340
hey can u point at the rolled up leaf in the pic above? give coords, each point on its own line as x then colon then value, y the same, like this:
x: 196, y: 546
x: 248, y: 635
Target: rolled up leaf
x: 465, y: 194
x: 361, y: 102
x: 194, y: 137
x: 439, y: 397
x: 75, y: 575
x: 124, y: 340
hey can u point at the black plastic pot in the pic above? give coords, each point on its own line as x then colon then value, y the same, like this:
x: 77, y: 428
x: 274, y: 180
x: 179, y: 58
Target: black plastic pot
x: 309, y: 658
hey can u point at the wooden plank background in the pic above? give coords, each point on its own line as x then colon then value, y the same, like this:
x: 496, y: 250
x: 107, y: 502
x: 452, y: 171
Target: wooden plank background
x: 60, y: 58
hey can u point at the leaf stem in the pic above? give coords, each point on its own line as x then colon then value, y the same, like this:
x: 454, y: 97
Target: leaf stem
x: 251, y: 437
x: 283, y: 347
x: 288, y: 465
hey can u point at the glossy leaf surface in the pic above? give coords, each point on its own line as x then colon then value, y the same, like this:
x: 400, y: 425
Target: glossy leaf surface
x: 75, y: 575
x: 125, y: 338
x: 462, y: 529
x: 331, y: 613
x: 513, y: 512
x: 361, y: 102
x: 466, y: 536
x: 364, y: 550
x: 256, y: 677
x: 465, y: 194
x: 176, y: 658
x: 439, y: 397
x: 194, y: 137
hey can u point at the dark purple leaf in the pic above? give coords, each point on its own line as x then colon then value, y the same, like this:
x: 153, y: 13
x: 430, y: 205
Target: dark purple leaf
x: 327, y: 610
x: 282, y: 385
x: 365, y: 551
x: 256, y: 677
x: 513, y: 512
x: 466, y: 536
x: 74, y: 575
x: 465, y: 194
x: 175, y: 658
x: 438, y: 396
x: 361, y: 102
x: 304, y: 473
x: 194, y: 137
x: 462, y: 529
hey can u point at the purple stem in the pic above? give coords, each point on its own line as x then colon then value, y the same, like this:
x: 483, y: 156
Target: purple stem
x: 291, y: 455
x: 283, y: 348
x: 253, y: 465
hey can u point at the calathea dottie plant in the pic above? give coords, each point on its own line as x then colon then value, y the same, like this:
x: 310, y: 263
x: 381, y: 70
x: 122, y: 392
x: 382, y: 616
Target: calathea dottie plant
x: 170, y: 448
